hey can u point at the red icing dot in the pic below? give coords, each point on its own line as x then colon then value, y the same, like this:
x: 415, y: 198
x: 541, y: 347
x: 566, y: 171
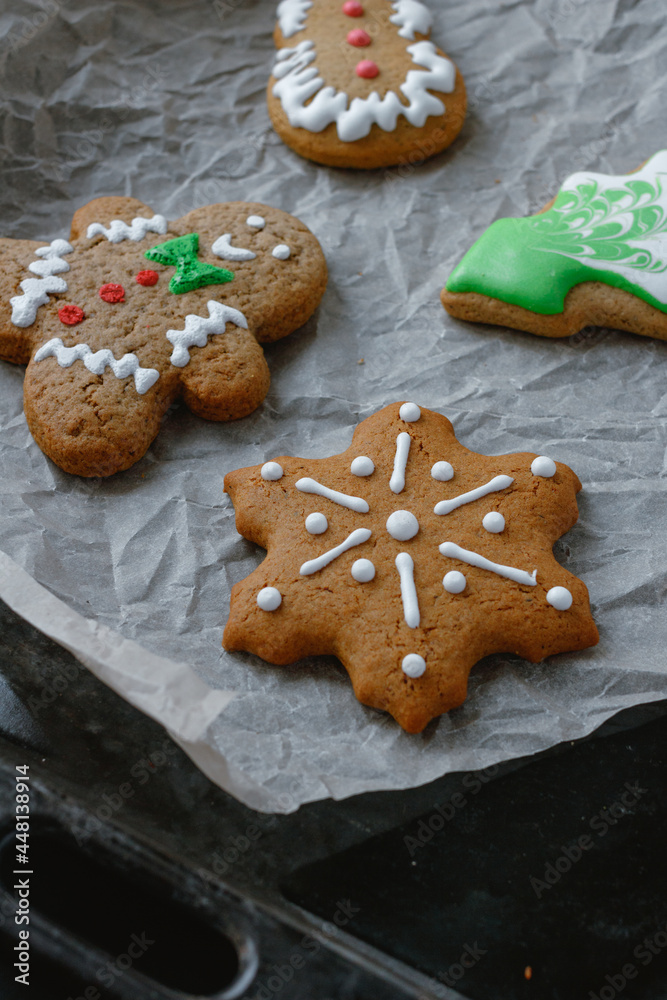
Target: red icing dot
x: 352, y: 8
x: 148, y: 277
x: 359, y: 37
x: 70, y: 315
x: 112, y: 293
x: 367, y: 69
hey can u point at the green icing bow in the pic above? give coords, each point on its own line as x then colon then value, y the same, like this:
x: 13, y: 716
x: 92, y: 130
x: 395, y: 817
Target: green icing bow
x: 191, y: 273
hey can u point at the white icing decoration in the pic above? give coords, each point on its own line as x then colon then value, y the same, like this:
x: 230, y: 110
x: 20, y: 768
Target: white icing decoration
x: 119, y: 230
x: 362, y: 465
x: 316, y: 523
x: 269, y: 599
x: 198, y: 329
x: 397, y: 481
x: 493, y: 522
x: 543, y: 466
x: 402, y: 525
x: 281, y: 252
x: 413, y: 665
x: 357, y: 537
x: 454, y: 582
x: 442, y: 472
x: 223, y: 248
x: 453, y: 551
x: 256, y: 221
x: 406, y: 568
x: 343, y: 499
x: 493, y: 486
x: 363, y: 571
x: 271, y: 471
x: 411, y: 16
x: 97, y: 361
x: 292, y: 16
x: 297, y: 82
x: 559, y: 598
x: 36, y: 291
x: 409, y: 412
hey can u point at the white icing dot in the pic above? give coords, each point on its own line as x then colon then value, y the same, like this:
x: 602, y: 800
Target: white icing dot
x: 272, y: 471
x: 559, y: 598
x: 269, y: 599
x: 363, y: 570
x: 256, y: 221
x: 543, y: 466
x: 402, y: 525
x: 442, y: 471
x: 454, y: 582
x: 409, y: 412
x: 494, y: 522
x: 413, y: 665
x: 281, y: 252
x: 362, y: 466
x: 316, y: 523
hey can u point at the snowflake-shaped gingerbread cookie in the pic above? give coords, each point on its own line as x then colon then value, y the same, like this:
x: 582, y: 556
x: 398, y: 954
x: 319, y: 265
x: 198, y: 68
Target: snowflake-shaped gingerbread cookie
x: 132, y: 311
x: 410, y: 558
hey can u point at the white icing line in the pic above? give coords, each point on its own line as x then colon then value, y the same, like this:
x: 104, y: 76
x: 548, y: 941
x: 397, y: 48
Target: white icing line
x: 97, y: 361
x: 292, y: 16
x: 36, y: 291
x: 493, y: 486
x: 343, y: 499
x: 411, y: 16
x: 297, y: 82
x: 223, y: 248
x: 358, y: 537
x: 198, y: 329
x: 453, y: 551
x: 397, y: 481
x: 119, y: 230
x: 406, y: 568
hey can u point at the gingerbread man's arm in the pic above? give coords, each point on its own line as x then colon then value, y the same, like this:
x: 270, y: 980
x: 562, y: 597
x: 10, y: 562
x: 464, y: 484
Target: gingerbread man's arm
x: 16, y: 303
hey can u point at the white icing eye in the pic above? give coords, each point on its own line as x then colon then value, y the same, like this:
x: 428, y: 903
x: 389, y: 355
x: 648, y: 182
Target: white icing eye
x: 559, y: 598
x: 256, y: 221
x: 281, y: 252
x: 316, y: 524
x: 402, y: 525
x: 272, y: 471
x: 362, y: 466
x: 442, y: 471
x: 363, y: 571
x: 454, y: 582
x: 413, y: 665
x: 409, y: 412
x: 223, y: 248
x: 494, y: 522
x: 269, y: 599
x: 543, y: 466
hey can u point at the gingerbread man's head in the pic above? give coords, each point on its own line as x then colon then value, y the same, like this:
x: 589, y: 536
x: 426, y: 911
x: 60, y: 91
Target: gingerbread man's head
x: 132, y: 312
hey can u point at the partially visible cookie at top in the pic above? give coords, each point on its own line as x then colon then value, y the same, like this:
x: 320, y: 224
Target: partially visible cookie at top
x: 132, y: 312
x: 358, y: 83
x: 410, y: 558
x: 596, y: 255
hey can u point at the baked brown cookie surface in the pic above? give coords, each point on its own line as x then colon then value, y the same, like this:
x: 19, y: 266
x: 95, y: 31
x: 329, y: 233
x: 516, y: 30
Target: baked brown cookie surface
x: 359, y: 84
x: 410, y: 558
x: 132, y: 312
x: 594, y: 256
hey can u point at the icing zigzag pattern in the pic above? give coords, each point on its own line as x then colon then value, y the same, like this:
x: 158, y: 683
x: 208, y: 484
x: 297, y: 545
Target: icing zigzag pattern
x: 36, y: 291
x: 97, y: 361
x: 119, y: 230
x: 198, y: 329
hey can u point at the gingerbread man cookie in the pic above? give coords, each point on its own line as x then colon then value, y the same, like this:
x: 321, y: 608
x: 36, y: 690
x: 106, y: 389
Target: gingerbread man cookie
x: 132, y: 312
x: 410, y: 558
x: 358, y: 83
x: 596, y: 255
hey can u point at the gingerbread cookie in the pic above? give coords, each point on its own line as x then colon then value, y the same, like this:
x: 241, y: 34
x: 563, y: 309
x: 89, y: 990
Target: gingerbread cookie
x: 596, y: 255
x: 359, y: 84
x: 410, y: 558
x: 132, y: 312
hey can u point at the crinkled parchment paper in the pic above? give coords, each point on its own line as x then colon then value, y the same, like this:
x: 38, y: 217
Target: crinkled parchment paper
x: 166, y: 102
